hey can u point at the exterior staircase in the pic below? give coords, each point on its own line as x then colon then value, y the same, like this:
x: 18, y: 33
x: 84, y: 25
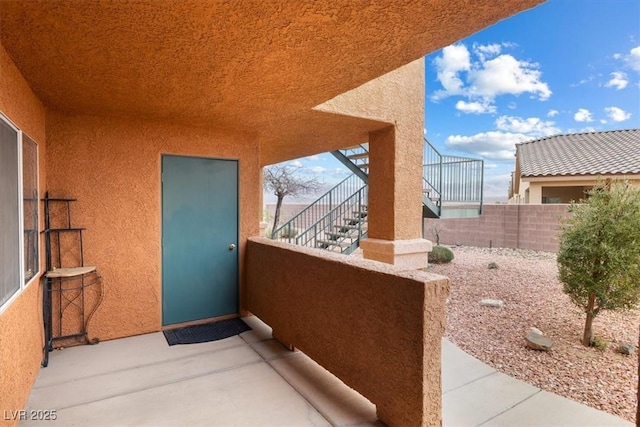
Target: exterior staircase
x: 337, y: 221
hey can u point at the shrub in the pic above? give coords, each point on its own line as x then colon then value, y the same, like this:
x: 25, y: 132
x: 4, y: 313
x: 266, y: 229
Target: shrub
x: 440, y: 255
x: 493, y: 266
x: 288, y: 233
x: 599, y: 344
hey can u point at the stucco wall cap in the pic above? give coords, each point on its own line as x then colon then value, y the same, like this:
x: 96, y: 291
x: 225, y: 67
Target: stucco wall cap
x: 397, y: 247
x: 371, y: 265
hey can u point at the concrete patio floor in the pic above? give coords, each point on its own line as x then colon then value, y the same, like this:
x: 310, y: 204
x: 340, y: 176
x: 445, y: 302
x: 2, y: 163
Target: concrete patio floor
x: 251, y: 380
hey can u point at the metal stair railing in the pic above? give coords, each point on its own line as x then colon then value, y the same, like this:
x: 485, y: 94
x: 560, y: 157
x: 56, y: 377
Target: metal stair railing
x: 462, y: 179
x: 432, y: 179
x: 343, y: 214
x: 324, y: 205
x: 345, y: 237
x: 452, y: 181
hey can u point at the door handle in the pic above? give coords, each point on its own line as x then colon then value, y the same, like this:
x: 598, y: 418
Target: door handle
x: 232, y: 246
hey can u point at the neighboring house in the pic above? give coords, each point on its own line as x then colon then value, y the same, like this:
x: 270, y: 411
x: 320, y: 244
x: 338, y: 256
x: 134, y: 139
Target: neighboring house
x: 561, y: 168
x: 158, y: 117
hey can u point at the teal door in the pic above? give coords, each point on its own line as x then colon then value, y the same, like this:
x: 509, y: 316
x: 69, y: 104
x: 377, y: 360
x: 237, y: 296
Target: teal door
x: 199, y: 238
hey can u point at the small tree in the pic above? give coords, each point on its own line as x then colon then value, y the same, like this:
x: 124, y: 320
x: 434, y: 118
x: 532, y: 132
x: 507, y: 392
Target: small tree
x: 282, y: 180
x: 599, y: 256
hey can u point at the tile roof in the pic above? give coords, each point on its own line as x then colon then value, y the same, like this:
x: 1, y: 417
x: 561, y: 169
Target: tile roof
x: 593, y: 153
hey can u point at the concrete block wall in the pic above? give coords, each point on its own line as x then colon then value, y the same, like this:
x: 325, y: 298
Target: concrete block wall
x: 534, y: 227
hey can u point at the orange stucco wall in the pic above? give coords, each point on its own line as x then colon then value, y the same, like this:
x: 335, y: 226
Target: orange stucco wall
x: 21, y: 335
x: 377, y: 329
x: 112, y: 166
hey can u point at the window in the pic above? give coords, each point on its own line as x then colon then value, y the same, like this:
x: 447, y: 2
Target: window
x: 30, y: 253
x: 19, y: 237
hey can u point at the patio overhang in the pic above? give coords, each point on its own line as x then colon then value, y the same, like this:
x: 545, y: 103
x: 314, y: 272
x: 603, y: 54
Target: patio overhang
x: 259, y: 67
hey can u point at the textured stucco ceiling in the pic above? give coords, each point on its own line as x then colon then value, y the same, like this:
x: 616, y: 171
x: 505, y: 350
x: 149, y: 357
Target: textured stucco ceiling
x: 245, y: 65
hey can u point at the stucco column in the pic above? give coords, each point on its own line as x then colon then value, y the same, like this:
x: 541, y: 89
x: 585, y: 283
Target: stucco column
x: 535, y: 194
x: 395, y: 195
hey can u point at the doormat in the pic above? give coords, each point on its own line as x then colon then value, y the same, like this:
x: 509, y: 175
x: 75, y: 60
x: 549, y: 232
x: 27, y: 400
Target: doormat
x: 206, y: 332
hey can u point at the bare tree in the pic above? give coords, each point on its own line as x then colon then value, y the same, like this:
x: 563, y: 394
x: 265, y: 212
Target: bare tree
x: 282, y: 180
x: 437, y: 229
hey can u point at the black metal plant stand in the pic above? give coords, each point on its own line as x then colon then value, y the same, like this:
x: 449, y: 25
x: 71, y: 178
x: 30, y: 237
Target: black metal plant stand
x: 66, y: 279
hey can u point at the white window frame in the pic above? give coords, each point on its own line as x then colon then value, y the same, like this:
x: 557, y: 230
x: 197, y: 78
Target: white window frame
x: 21, y: 248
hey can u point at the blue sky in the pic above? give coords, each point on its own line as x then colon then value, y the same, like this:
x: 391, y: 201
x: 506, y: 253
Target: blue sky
x: 565, y: 66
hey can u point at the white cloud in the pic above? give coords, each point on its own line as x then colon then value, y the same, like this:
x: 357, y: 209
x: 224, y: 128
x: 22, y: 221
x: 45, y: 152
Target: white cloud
x: 488, y: 76
x: 532, y: 126
x: 552, y: 113
x: 496, y: 186
x: 486, y: 50
x: 618, y: 80
x: 475, y: 107
x: 617, y: 114
x: 499, y: 145
x: 583, y: 115
x: 584, y: 81
x: 318, y: 169
x: 506, y: 75
x: 295, y: 163
x: 585, y: 129
x: 338, y: 173
x: 490, y: 166
x: 633, y: 59
x: 454, y: 59
x: 492, y: 145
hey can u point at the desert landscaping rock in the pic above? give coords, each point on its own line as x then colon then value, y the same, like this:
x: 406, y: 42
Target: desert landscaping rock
x: 492, y: 303
x: 528, y: 280
x: 626, y: 348
x: 538, y: 342
x: 534, y: 330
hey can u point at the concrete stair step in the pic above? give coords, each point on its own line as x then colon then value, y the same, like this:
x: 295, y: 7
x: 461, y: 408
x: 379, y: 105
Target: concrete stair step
x: 337, y: 235
x: 355, y: 220
x: 345, y: 228
x: 328, y: 243
x: 358, y: 156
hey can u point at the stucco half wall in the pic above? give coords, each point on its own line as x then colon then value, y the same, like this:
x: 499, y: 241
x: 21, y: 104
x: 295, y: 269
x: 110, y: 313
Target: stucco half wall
x: 374, y: 327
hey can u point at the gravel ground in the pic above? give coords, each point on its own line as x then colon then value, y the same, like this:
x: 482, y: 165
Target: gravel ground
x: 527, y: 283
